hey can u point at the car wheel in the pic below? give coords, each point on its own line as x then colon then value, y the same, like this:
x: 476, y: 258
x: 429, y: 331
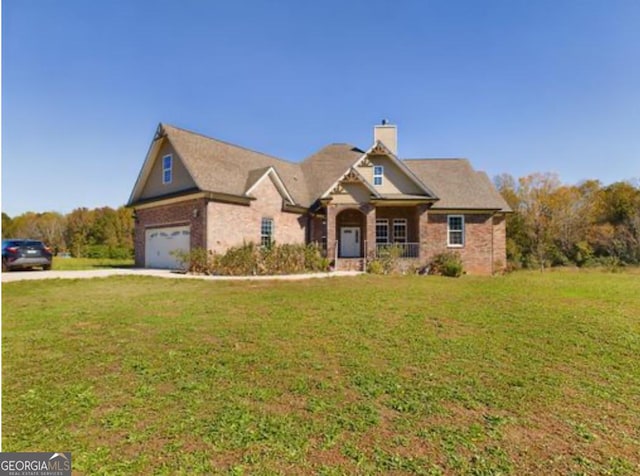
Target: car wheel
x: 5, y: 268
x: 46, y: 267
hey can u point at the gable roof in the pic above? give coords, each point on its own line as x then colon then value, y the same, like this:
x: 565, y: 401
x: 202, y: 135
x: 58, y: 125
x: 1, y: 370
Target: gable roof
x: 326, y: 166
x: 224, y: 168
x: 457, y: 184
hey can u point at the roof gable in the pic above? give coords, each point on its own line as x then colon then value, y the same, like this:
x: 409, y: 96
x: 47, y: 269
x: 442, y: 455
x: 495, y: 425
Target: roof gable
x: 257, y: 176
x: 379, y: 149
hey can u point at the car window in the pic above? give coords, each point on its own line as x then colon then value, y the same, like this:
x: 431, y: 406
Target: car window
x: 33, y: 243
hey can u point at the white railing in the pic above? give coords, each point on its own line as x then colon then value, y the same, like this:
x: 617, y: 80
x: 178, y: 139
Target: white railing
x: 399, y: 250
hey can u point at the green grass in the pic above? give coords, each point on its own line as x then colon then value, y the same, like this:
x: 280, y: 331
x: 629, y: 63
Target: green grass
x: 531, y: 373
x: 72, y: 264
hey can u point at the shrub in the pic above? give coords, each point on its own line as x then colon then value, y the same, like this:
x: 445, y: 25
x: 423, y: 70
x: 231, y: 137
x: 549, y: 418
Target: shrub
x: 375, y: 267
x: 239, y: 261
x: 389, y: 257
x: 447, y: 264
x: 198, y: 260
x: 250, y: 259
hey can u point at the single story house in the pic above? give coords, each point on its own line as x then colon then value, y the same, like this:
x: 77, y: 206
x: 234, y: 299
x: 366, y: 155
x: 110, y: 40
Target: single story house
x: 194, y: 191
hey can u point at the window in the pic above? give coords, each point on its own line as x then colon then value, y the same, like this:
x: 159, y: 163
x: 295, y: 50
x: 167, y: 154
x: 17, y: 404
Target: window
x: 382, y: 231
x: 378, y: 172
x: 167, y: 169
x: 455, y: 230
x: 399, y: 230
x: 266, y: 232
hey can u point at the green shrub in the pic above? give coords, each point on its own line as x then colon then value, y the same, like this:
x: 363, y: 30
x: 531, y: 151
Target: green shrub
x: 447, y: 264
x: 375, y: 267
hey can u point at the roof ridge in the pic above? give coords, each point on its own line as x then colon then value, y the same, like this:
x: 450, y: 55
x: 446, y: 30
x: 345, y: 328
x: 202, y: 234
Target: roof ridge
x: 231, y: 144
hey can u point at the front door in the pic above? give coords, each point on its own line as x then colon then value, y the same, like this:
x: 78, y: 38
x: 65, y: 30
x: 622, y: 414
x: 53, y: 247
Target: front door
x: 350, y: 241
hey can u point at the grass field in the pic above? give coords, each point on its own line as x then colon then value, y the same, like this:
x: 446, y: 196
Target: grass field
x: 530, y: 373
x: 71, y: 264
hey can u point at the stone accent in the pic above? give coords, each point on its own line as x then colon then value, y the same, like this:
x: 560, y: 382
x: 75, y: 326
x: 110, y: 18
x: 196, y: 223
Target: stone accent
x: 189, y: 212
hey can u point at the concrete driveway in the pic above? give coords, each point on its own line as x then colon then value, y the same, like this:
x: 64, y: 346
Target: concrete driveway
x: 159, y: 273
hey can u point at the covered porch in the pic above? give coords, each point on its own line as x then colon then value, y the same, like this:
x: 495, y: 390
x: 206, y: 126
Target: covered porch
x: 367, y: 231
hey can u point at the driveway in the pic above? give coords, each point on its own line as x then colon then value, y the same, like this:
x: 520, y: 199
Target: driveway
x: 159, y: 273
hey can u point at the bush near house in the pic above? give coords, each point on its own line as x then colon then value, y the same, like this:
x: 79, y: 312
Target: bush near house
x: 250, y: 259
x: 447, y: 264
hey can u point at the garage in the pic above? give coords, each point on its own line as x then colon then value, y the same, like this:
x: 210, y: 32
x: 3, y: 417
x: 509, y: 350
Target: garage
x: 161, y: 242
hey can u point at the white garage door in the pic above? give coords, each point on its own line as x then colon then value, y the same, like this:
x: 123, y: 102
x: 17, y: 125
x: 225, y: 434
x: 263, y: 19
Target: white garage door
x: 160, y: 242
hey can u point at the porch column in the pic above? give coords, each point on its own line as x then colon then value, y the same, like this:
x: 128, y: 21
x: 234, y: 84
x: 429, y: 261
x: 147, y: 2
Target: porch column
x: 370, y: 217
x: 331, y: 231
x: 422, y: 219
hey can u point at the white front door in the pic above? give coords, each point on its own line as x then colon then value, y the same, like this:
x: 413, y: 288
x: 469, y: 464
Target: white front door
x: 350, y: 241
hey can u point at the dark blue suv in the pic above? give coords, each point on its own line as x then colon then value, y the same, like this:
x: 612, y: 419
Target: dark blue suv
x: 25, y: 254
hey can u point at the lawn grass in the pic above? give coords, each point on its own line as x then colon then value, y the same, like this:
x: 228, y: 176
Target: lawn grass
x: 72, y: 264
x: 530, y: 373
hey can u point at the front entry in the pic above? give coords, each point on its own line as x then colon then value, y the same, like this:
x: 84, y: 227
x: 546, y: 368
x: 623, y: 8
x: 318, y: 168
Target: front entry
x: 350, y: 241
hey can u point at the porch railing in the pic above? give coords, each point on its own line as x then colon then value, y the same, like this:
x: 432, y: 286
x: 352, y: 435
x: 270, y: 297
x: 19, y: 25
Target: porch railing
x: 399, y: 250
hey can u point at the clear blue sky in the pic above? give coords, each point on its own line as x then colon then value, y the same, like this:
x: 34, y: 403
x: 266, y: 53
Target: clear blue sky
x: 516, y: 86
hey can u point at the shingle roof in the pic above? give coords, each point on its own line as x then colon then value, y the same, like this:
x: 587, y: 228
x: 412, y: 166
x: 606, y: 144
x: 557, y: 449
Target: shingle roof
x: 457, y: 184
x: 220, y: 167
x: 326, y: 166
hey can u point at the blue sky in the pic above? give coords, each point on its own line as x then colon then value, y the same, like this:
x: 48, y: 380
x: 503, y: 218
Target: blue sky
x: 516, y: 86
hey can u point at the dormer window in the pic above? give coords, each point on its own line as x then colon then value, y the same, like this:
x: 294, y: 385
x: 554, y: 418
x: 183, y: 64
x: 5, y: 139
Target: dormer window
x: 167, y: 169
x: 378, y: 172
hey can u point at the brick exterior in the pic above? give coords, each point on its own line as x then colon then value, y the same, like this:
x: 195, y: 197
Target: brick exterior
x: 483, y: 251
x: 232, y: 224
x: 190, y: 212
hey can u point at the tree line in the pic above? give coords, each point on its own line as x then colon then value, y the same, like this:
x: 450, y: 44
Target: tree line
x: 97, y: 233
x: 585, y: 224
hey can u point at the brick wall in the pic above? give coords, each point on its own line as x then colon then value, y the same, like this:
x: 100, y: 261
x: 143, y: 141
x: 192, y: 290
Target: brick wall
x: 170, y: 215
x: 478, y: 253
x: 231, y: 225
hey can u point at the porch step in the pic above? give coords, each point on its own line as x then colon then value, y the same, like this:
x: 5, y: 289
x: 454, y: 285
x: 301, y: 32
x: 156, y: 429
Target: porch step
x: 350, y: 264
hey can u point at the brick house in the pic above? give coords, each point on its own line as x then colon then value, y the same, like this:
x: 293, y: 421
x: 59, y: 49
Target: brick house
x: 197, y: 192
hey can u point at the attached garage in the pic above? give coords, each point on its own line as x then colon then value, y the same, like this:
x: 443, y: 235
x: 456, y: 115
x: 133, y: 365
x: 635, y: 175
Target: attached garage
x: 161, y: 242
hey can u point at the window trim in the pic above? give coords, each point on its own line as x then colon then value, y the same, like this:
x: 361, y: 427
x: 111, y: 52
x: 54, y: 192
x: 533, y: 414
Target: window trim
x: 450, y: 231
x: 378, y: 177
x: 166, y: 169
x: 405, y: 224
x: 268, y: 234
x: 382, y: 222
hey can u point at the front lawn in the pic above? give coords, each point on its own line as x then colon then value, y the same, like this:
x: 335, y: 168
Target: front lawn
x: 72, y: 264
x: 531, y: 373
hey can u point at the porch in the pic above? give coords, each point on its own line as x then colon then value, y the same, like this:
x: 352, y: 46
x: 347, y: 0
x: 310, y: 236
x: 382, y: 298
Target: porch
x: 356, y: 233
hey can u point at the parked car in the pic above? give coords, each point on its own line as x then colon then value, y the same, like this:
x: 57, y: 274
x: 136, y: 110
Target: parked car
x: 25, y: 254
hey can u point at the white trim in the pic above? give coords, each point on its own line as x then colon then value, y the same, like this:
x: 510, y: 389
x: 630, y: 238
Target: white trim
x: 400, y: 221
x: 394, y: 159
x: 167, y: 169
x: 277, y: 181
x: 449, y: 230
x: 380, y: 175
x: 386, y: 224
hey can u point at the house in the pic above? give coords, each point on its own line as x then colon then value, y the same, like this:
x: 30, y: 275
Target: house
x: 197, y: 192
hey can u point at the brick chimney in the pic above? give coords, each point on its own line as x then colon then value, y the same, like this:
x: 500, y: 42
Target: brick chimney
x: 388, y: 135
